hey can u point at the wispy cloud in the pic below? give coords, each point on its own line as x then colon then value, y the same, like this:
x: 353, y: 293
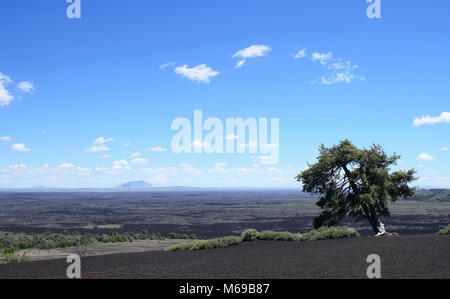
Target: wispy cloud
x: 157, y: 149
x: 5, y: 95
x: 339, y: 71
x: 301, y: 54
x: 5, y: 138
x: 102, y: 140
x: 26, y: 87
x: 120, y: 162
x: 187, y: 168
x: 140, y: 161
x: 99, y: 148
x: 200, y: 74
x: 425, y: 157
x: 253, y: 51
x: 18, y: 166
x: 429, y: 120
x: 166, y: 65
x: 66, y: 165
x: 20, y: 147
x: 323, y: 58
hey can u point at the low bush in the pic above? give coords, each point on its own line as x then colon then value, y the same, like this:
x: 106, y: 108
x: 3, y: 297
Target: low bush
x: 252, y: 234
x: 249, y: 235
x: 324, y: 233
x: 206, y: 244
x: 12, y: 258
x: 445, y: 230
x: 269, y: 235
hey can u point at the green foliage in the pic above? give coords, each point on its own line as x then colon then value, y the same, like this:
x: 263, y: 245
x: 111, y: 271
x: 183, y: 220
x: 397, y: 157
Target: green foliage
x: 438, y: 195
x: 324, y: 233
x: 445, y: 230
x: 249, y: 235
x: 176, y: 236
x: 355, y: 182
x: 12, y: 242
x: 206, y: 244
x: 252, y: 234
x: 8, y: 258
x: 269, y: 235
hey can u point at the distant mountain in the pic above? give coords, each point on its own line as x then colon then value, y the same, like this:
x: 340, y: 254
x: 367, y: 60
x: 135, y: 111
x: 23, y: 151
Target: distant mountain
x: 136, y: 185
x: 441, y: 195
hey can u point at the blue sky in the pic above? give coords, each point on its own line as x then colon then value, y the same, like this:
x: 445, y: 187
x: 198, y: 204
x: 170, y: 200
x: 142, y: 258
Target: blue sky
x: 89, y: 102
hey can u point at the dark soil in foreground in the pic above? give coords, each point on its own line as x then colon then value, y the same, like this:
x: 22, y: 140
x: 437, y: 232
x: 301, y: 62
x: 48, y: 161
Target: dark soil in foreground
x: 419, y: 256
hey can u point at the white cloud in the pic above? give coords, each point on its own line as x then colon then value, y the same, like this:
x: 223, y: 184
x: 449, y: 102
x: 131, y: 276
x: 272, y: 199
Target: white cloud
x: 5, y: 139
x: 444, y: 149
x: 104, y: 157
x: 240, y: 63
x: 428, y: 120
x: 96, y: 149
x: 20, y: 147
x: 322, y: 57
x: 219, y: 168
x: 251, y: 52
x: 200, y: 73
x: 140, y: 161
x: 339, y: 71
x: 274, y: 169
x: 121, y: 162
x: 101, y: 140
x: 166, y: 65
x: 116, y: 167
x: 26, y: 87
x: 189, y: 169
x: 82, y: 171
x: 136, y: 155
x: 157, y: 149
x: 425, y: 157
x: 18, y: 166
x: 300, y: 54
x: 5, y: 96
x: 66, y: 165
x: 242, y: 170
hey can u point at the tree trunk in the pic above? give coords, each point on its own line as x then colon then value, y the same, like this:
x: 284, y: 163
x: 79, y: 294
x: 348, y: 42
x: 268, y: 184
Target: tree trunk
x: 380, y: 230
x: 374, y: 220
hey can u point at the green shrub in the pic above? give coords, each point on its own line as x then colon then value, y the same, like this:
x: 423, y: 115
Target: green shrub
x: 12, y: 258
x: 269, y: 235
x: 324, y: 233
x: 445, y: 230
x: 249, y: 235
x: 206, y: 244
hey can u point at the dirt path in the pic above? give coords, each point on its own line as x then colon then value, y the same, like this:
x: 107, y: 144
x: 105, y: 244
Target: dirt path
x: 100, y: 249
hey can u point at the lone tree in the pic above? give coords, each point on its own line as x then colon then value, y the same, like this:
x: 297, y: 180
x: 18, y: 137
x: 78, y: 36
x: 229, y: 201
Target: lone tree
x: 355, y: 182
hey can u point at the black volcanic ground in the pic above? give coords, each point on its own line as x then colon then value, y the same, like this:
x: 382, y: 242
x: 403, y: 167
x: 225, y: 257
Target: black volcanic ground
x: 419, y: 256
